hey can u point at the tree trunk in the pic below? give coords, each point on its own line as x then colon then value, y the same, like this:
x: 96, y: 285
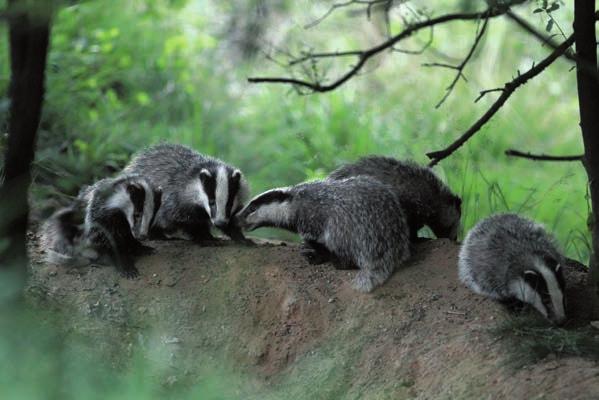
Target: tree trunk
x: 588, y: 98
x: 29, y: 31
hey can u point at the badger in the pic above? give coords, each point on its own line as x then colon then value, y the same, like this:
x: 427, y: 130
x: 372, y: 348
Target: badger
x: 426, y: 200
x: 61, y: 236
x: 358, y: 220
x: 507, y: 257
x: 118, y: 215
x: 198, y: 191
x: 104, y: 224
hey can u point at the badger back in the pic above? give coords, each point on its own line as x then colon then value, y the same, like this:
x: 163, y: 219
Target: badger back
x: 426, y: 199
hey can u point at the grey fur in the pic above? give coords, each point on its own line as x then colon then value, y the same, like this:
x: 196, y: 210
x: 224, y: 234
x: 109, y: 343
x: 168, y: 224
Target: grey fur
x: 103, y: 225
x: 357, y: 219
x: 424, y: 197
x: 61, y: 237
x: 498, y: 252
x: 175, y: 168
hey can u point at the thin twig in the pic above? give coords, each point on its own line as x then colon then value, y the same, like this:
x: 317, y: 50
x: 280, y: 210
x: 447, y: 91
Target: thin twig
x: 312, y: 56
x: 460, y: 67
x: 425, y: 46
x: 484, y: 92
x: 508, y: 89
x: 365, y: 55
x: 540, y: 36
x: 368, y: 3
x: 542, y: 157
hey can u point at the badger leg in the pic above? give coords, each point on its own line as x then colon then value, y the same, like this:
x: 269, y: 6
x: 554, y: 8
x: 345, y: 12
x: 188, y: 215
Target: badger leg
x: 157, y: 233
x: 126, y: 266
x: 127, y: 248
x: 316, y: 253
x: 198, y: 232
x: 236, y: 234
x: 142, y: 250
x: 121, y: 257
x: 371, y: 275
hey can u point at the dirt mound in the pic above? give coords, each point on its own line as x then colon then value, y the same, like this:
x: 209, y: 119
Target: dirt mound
x: 300, y: 331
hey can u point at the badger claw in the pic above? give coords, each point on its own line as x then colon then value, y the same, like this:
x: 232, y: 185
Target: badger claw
x: 130, y: 273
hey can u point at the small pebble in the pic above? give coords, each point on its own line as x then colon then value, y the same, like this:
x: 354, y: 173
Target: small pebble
x: 595, y: 324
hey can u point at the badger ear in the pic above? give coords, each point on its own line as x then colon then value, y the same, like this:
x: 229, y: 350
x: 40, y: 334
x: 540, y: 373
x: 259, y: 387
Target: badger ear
x: 205, y: 175
x: 236, y: 175
x: 457, y: 202
x: 271, y: 196
x: 550, y: 262
x: 530, y: 272
x: 134, y: 189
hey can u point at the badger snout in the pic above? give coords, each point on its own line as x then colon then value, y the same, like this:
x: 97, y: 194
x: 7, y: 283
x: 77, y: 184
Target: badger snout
x: 240, y: 221
x: 221, y: 223
x: 139, y: 234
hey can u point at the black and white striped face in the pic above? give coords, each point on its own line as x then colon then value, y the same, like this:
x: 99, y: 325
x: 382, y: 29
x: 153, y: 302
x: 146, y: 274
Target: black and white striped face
x: 270, y: 208
x: 543, y: 287
x: 139, y: 202
x: 220, y: 192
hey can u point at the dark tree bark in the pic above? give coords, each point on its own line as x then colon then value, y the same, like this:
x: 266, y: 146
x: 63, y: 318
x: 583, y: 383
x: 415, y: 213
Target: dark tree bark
x: 588, y: 98
x: 29, y: 32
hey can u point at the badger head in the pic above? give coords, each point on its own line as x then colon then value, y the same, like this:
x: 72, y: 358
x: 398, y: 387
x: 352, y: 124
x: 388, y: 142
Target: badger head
x: 447, y: 223
x: 220, y: 191
x: 138, y: 201
x: 271, y: 208
x: 543, y: 287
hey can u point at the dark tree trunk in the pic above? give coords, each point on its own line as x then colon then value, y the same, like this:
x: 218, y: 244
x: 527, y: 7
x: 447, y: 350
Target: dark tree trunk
x: 588, y: 98
x: 29, y: 32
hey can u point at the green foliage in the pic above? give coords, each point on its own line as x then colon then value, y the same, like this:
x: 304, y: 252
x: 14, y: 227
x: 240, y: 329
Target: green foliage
x: 163, y: 70
x: 126, y: 74
x: 38, y: 360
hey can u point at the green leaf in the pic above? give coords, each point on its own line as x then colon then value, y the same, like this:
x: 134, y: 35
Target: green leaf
x: 549, y: 25
x: 554, y: 6
x: 142, y: 98
x: 538, y: 10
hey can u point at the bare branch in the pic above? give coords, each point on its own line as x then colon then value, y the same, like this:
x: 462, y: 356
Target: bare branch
x: 332, y: 54
x: 462, y: 65
x: 542, y: 157
x: 484, y: 92
x: 425, y: 46
x: 539, y: 35
x: 508, y: 89
x: 365, y: 55
x: 368, y: 3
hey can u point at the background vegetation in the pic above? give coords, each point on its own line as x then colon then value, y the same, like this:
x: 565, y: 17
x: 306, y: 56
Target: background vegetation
x: 126, y: 74
x: 176, y: 70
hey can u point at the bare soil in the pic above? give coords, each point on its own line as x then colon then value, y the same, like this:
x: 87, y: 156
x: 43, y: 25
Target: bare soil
x: 294, y: 330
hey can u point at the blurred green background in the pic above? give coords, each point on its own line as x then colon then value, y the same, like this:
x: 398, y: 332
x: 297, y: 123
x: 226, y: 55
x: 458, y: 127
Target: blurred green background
x: 125, y: 74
